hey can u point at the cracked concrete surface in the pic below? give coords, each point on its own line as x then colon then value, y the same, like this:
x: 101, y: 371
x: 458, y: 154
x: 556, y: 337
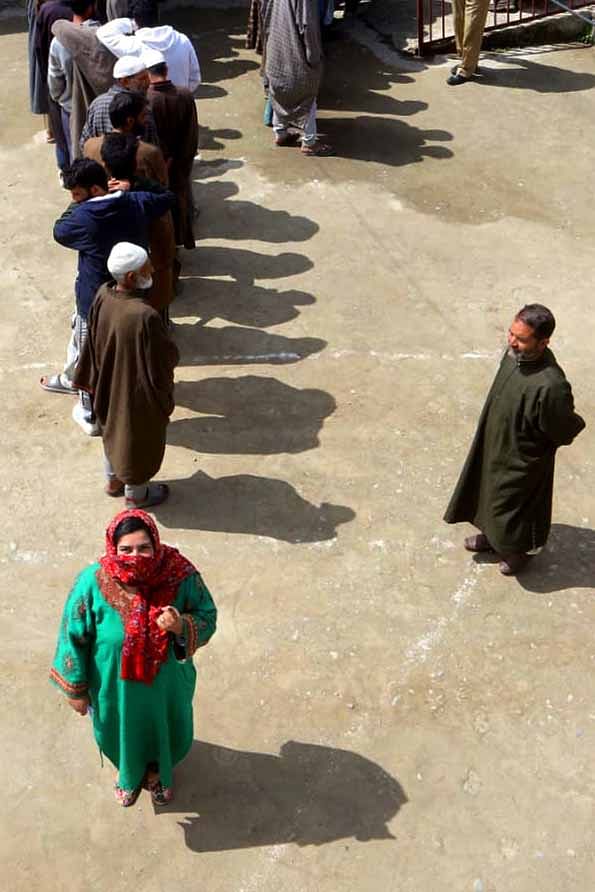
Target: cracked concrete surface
x: 376, y: 711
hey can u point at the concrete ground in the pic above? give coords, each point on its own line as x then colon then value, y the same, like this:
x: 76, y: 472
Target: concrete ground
x: 377, y: 711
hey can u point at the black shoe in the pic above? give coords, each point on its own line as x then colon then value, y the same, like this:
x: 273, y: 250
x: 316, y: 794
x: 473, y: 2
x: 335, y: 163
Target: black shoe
x: 456, y: 79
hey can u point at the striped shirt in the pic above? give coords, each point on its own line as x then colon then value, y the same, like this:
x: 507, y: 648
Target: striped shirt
x: 98, y: 119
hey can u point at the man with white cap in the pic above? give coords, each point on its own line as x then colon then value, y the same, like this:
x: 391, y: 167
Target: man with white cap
x: 133, y: 36
x: 127, y: 365
x: 130, y: 73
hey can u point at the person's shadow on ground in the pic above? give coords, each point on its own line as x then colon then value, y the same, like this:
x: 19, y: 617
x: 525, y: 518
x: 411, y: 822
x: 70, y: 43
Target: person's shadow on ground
x: 567, y: 561
x: 384, y: 140
x: 237, y: 345
x: 239, y: 301
x: 307, y: 795
x: 239, y: 219
x: 523, y: 74
x: 209, y: 139
x: 249, y: 415
x: 244, y: 503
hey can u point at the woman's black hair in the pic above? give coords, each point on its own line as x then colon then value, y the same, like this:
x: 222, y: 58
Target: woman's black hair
x: 131, y: 525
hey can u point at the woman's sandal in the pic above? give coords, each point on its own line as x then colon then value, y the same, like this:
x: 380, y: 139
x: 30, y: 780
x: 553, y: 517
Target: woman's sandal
x: 126, y: 798
x: 159, y: 794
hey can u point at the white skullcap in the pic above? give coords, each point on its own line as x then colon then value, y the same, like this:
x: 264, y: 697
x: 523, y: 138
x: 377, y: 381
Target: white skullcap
x: 152, y: 57
x: 127, y: 66
x: 126, y: 258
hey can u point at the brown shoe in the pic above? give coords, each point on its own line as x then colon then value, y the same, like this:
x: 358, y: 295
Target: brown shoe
x: 114, y: 488
x: 511, y: 564
x: 477, y: 543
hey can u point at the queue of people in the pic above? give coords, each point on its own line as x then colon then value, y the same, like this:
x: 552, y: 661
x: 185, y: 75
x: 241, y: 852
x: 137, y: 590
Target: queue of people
x: 122, y: 114
x: 125, y: 147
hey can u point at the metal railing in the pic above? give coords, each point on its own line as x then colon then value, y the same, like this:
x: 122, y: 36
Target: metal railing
x: 435, y: 29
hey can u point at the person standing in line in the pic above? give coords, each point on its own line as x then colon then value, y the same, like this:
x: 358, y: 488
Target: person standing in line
x: 49, y: 12
x: 38, y: 91
x: 120, y: 157
x: 469, y: 22
x: 94, y: 222
x: 130, y: 73
x: 128, y: 112
x: 133, y: 36
x: 127, y: 367
x: 506, y: 485
x: 176, y: 119
x: 293, y: 70
x: 130, y: 628
x: 92, y: 67
x: 60, y: 71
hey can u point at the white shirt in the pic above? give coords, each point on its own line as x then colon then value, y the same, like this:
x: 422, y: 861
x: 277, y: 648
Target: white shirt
x: 122, y: 38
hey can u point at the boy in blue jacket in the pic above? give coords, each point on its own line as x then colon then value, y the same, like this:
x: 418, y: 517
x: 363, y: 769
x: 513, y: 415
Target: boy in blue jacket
x: 95, y: 222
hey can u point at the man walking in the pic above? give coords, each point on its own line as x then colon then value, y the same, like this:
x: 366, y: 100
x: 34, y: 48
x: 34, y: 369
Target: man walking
x: 127, y: 365
x: 505, y: 488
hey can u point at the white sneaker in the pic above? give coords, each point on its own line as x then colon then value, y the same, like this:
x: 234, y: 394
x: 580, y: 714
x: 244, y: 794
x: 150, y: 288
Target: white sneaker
x: 89, y: 427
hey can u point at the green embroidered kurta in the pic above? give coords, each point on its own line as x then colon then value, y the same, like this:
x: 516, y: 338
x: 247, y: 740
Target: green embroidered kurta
x: 134, y: 723
x: 505, y: 488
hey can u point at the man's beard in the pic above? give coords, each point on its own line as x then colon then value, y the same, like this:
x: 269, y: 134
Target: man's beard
x: 523, y: 355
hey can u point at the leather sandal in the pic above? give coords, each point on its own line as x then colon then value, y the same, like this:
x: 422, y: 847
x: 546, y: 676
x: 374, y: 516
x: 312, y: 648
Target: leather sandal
x: 478, y: 542
x: 511, y: 564
x: 114, y: 488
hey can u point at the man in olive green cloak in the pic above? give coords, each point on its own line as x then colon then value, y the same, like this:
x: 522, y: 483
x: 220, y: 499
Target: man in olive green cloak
x: 505, y: 487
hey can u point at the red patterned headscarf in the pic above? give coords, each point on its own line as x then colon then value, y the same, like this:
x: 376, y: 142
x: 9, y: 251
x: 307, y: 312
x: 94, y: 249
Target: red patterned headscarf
x: 157, y: 578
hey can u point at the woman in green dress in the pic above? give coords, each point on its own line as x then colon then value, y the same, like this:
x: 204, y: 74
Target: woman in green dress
x: 130, y: 627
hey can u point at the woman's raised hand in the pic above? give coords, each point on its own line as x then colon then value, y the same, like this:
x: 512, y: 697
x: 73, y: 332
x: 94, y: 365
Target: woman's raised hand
x: 170, y: 621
